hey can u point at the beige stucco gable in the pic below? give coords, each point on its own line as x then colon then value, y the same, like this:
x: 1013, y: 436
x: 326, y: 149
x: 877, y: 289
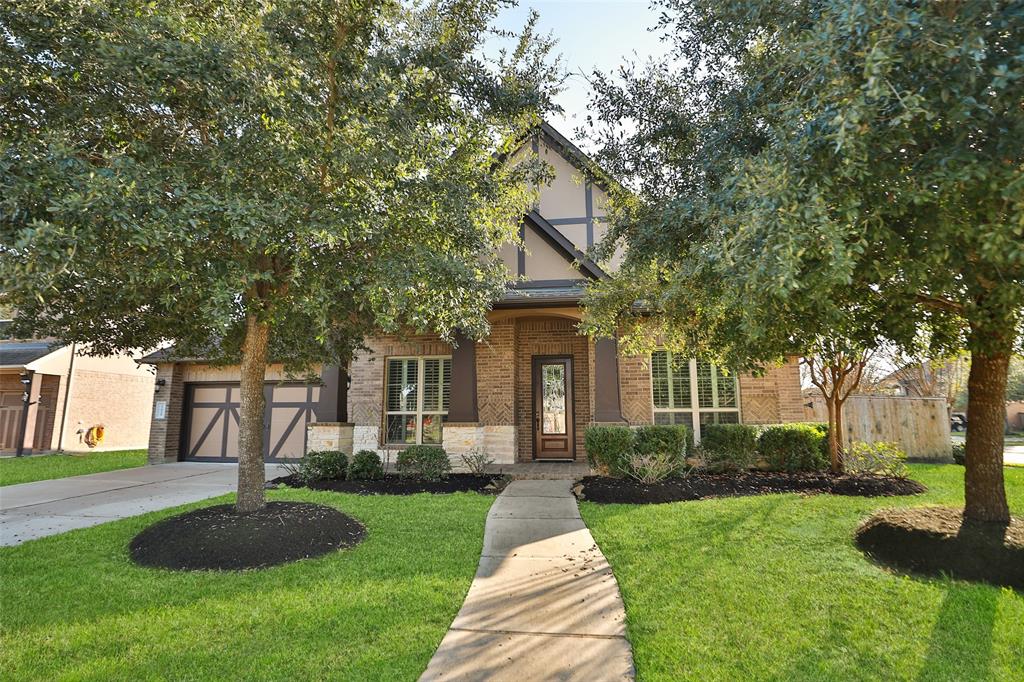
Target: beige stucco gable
x: 572, y: 204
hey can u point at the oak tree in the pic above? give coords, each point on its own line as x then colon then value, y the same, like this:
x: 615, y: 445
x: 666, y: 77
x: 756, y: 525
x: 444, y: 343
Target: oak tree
x: 256, y: 181
x: 797, y: 167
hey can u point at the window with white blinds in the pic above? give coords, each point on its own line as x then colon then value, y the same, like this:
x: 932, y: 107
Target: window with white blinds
x: 416, y: 395
x: 692, y: 392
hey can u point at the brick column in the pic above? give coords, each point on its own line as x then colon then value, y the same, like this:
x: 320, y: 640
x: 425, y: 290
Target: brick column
x: 607, y: 406
x: 165, y: 432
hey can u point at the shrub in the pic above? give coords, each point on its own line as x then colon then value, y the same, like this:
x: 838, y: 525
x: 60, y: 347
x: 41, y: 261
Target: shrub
x: 959, y: 453
x: 793, y: 447
x: 322, y: 465
x: 365, y: 466
x: 609, y: 448
x: 429, y: 462
x: 728, y: 447
x: 881, y: 458
x: 652, y: 440
x: 654, y: 467
x: 477, y: 462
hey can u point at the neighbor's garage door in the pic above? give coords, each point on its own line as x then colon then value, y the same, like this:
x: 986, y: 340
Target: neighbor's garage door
x: 211, y: 413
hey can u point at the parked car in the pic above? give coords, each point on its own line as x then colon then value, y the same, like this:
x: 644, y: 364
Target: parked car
x: 958, y: 421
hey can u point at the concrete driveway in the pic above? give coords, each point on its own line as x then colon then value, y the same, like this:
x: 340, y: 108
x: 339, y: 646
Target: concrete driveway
x: 34, y: 510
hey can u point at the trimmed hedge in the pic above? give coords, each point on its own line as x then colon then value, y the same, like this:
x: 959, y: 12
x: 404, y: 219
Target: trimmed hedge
x: 613, y: 447
x: 658, y: 438
x: 609, y: 447
x: 728, y: 447
x: 429, y: 462
x: 794, y: 447
x: 323, y: 465
x: 365, y: 466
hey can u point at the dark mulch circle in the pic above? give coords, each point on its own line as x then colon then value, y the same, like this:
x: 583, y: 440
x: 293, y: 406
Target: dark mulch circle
x: 392, y: 484
x: 937, y: 541
x: 606, y: 490
x: 221, y: 539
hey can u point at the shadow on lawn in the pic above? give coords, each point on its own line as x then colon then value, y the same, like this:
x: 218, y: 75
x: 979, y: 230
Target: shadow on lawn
x: 962, y: 635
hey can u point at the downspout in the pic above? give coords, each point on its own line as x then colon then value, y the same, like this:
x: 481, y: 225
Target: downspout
x: 67, y: 400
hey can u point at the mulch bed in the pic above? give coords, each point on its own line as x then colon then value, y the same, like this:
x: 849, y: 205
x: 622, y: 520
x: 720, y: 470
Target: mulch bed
x: 219, y: 538
x: 606, y: 490
x: 937, y: 541
x: 392, y: 484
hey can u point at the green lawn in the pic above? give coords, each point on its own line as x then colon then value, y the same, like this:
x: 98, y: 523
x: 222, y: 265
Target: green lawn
x: 72, y: 606
x: 45, y: 467
x: 772, y: 587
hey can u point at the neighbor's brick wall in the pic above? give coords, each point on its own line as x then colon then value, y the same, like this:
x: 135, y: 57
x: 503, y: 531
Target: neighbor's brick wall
x: 550, y: 336
x: 121, y: 403
x: 165, y: 434
x: 774, y: 397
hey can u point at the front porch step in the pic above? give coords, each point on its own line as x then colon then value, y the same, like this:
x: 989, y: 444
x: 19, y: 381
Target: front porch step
x: 548, y: 471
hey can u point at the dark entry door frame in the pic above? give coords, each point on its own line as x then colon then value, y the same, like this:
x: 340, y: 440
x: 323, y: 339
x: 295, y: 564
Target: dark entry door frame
x: 553, y: 445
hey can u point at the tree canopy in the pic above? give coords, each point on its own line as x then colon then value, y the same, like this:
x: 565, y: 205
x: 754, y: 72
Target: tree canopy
x: 823, y: 166
x: 167, y: 167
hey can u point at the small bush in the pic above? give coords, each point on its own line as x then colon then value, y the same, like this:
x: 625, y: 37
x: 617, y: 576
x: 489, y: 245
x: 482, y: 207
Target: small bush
x: 728, y: 447
x: 652, y: 440
x: 654, y: 467
x: 959, y: 453
x: 793, y: 447
x: 609, y: 448
x: 365, y: 466
x: 323, y: 465
x: 476, y: 462
x: 882, y: 459
x: 429, y: 462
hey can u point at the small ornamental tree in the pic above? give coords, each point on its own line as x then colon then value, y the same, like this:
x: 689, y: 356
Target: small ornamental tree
x: 258, y: 182
x: 801, y: 167
x: 835, y: 367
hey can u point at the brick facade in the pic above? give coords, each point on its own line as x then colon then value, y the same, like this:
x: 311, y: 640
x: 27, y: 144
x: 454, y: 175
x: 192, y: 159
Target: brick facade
x: 165, y: 434
x: 550, y: 336
x: 773, y: 397
x: 504, y: 429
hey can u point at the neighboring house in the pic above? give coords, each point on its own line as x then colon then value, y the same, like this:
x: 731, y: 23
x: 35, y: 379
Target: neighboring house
x: 527, y: 392
x: 51, y: 395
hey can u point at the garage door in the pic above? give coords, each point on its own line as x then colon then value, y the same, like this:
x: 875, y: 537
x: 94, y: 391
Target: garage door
x: 211, y: 413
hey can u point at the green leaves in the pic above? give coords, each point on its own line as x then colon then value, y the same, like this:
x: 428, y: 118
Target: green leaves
x: 803, y: 168
x: 166, y: 167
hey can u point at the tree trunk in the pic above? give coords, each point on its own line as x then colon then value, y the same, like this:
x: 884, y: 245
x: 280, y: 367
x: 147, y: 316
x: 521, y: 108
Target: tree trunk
x: 834, y: 424
x: 837, y: 443
x: 251, y: 474
x: 984, y: 491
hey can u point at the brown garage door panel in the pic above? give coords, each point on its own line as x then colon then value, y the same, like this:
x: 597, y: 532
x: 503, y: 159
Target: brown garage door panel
x: 212, y: 411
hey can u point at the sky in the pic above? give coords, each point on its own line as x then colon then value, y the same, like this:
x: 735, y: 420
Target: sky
x: 591, y: 34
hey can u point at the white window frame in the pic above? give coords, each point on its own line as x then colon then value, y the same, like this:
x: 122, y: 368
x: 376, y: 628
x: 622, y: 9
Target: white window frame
x: 420, y: 392
x: 694, y: 409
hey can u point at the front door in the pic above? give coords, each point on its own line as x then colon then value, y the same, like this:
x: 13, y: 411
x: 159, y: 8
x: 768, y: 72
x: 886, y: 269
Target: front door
x: 553, y: 433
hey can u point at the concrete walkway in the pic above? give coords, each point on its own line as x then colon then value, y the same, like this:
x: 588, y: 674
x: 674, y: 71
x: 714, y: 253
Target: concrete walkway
x: 35, y: 510
x: 544, y: 604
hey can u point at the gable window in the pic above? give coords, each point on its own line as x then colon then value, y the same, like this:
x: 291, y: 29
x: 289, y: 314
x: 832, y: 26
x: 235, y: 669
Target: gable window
x: 417, y: 392
x: 692, y: 392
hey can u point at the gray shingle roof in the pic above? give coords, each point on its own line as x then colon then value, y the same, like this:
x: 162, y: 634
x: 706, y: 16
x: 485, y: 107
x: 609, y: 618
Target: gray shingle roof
x: 21, y: 353
x: 568, y: 294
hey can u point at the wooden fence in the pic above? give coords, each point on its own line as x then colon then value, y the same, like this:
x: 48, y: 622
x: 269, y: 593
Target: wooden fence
x: 920, y: 426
